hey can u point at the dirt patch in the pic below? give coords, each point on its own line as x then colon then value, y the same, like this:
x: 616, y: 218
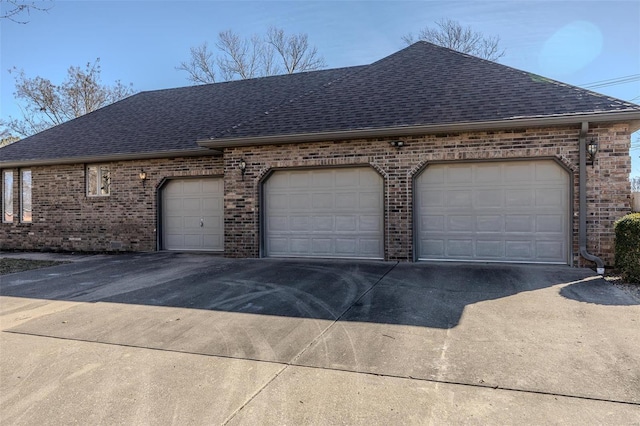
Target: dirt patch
x: 10, y: 266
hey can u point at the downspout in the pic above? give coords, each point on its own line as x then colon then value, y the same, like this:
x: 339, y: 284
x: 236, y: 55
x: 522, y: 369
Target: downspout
x: 582, y: 238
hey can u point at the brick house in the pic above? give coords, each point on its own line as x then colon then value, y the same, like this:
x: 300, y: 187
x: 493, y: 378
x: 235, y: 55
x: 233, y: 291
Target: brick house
x: 427, y: 154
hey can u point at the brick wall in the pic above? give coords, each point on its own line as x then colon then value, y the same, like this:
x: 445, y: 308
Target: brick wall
x: 65, y: 218
x: 607, y: 181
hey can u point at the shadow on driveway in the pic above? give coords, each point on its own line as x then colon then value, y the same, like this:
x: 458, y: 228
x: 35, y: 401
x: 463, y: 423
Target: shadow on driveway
x: 417, y: 294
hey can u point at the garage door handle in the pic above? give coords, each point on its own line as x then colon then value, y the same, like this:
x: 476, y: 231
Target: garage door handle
x: 201, y: 222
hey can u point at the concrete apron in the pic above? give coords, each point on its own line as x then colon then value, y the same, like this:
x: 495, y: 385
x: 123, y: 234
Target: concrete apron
x: 151, y: 337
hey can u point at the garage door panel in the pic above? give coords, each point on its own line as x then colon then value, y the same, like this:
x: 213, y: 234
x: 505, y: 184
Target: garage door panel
x: 519, y: 250
x: 346, y: 247
x: 320, y: 179
x: 322, y: 246
x: 346, y: 223
x: 278, y: 245
x: 278, y: 223
x: 344, y: 214
x: 491, y: 249
x: 192, y: 214
x: 370, y: 223
x: 191, y: 222
x: 548, y: 172
x: 277, y: 202
x: 370, y: 200
x: 549, y: 249
x: 299, y: 223
x: 487, y: 173
x: 431, y: 199
x: 370, y: 247
x: 459, y: 198
x: 432, y: 223
x: 459, y: 175
x: 433, y: 248
x: 300, y: 202
x: 346, y: 178
x: 174, y: 240
x: 322, y: 201
x: 549, y: 197
x: 192, y: 204
x: 519, y: 172
x: 519, y: 223
x: 488, y: 198
x: 300, y: 245
x: 346, y: 201
x: 323, y: 223
x: 519, y: 197
x: 191, y: 187
x: 525, y: 211
x: 550, y: 223
x: 460, y: 248
x: 489, y: 223
x: 434, y: 175
x: 458, y: 223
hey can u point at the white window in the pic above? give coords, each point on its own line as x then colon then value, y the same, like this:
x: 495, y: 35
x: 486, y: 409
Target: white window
x: 98, y: 180
x: 7, y: 196
x: 25, y: 196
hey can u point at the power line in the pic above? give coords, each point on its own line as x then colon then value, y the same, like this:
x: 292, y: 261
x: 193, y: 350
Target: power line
x: 611, y: 82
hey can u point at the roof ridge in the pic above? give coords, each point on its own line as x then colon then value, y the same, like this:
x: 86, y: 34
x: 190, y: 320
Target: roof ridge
x: 242, y: 80
x: 540, y: 78
x: 529, y: 74
x: 356, y: 69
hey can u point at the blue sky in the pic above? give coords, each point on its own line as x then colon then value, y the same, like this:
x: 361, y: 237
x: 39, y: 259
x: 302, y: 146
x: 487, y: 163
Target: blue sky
x: 141, y: 42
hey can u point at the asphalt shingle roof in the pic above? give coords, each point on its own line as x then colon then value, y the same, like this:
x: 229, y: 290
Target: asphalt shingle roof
x: 420, y: 85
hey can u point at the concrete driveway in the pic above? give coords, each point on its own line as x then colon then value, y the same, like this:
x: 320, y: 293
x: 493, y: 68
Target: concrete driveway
x: 167, y: 338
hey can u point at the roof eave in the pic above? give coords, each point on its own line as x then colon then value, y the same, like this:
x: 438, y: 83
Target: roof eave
x: 109, y: 158
x: 633, y: 117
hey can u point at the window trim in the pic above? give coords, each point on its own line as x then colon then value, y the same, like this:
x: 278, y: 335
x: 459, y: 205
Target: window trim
x: 5, y: 173
x: 23, y: 208
x: 99, y: 177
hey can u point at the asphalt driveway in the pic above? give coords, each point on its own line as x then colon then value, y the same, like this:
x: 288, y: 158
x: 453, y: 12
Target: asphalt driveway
x: 197, y: 339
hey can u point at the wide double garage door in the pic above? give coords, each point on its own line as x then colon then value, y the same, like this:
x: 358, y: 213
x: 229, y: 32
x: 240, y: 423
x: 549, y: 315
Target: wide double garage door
x: 513, y: 211
x: 336, y: 213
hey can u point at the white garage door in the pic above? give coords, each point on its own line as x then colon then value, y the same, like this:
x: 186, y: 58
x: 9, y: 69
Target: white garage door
x: 505, y: 212
x: 192, y: 214
x: 324, y: 213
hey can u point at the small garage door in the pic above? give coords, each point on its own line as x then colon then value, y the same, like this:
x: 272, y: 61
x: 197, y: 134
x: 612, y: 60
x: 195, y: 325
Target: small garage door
x: 334, y: 213
x: 505, y: 212
x: 192, y: 214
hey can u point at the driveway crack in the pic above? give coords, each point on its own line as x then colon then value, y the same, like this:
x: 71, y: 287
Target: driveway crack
x: 296, y: 357
x: 349, y: 308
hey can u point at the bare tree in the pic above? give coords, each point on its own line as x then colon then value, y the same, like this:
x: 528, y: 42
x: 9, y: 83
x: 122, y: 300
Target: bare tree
x: 46, y: 104
x: 6, y: 137
x: 635, y: 184
x: 451, y: 34
x: 243, y: 58
x: 201, y: 66
x: 16, y: 9
x: 294, y: 50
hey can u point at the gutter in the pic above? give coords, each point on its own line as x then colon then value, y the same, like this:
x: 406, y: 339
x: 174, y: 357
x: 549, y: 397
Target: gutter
x: 633, y: 117
x: 582, y: 238
x: 108, y: 158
